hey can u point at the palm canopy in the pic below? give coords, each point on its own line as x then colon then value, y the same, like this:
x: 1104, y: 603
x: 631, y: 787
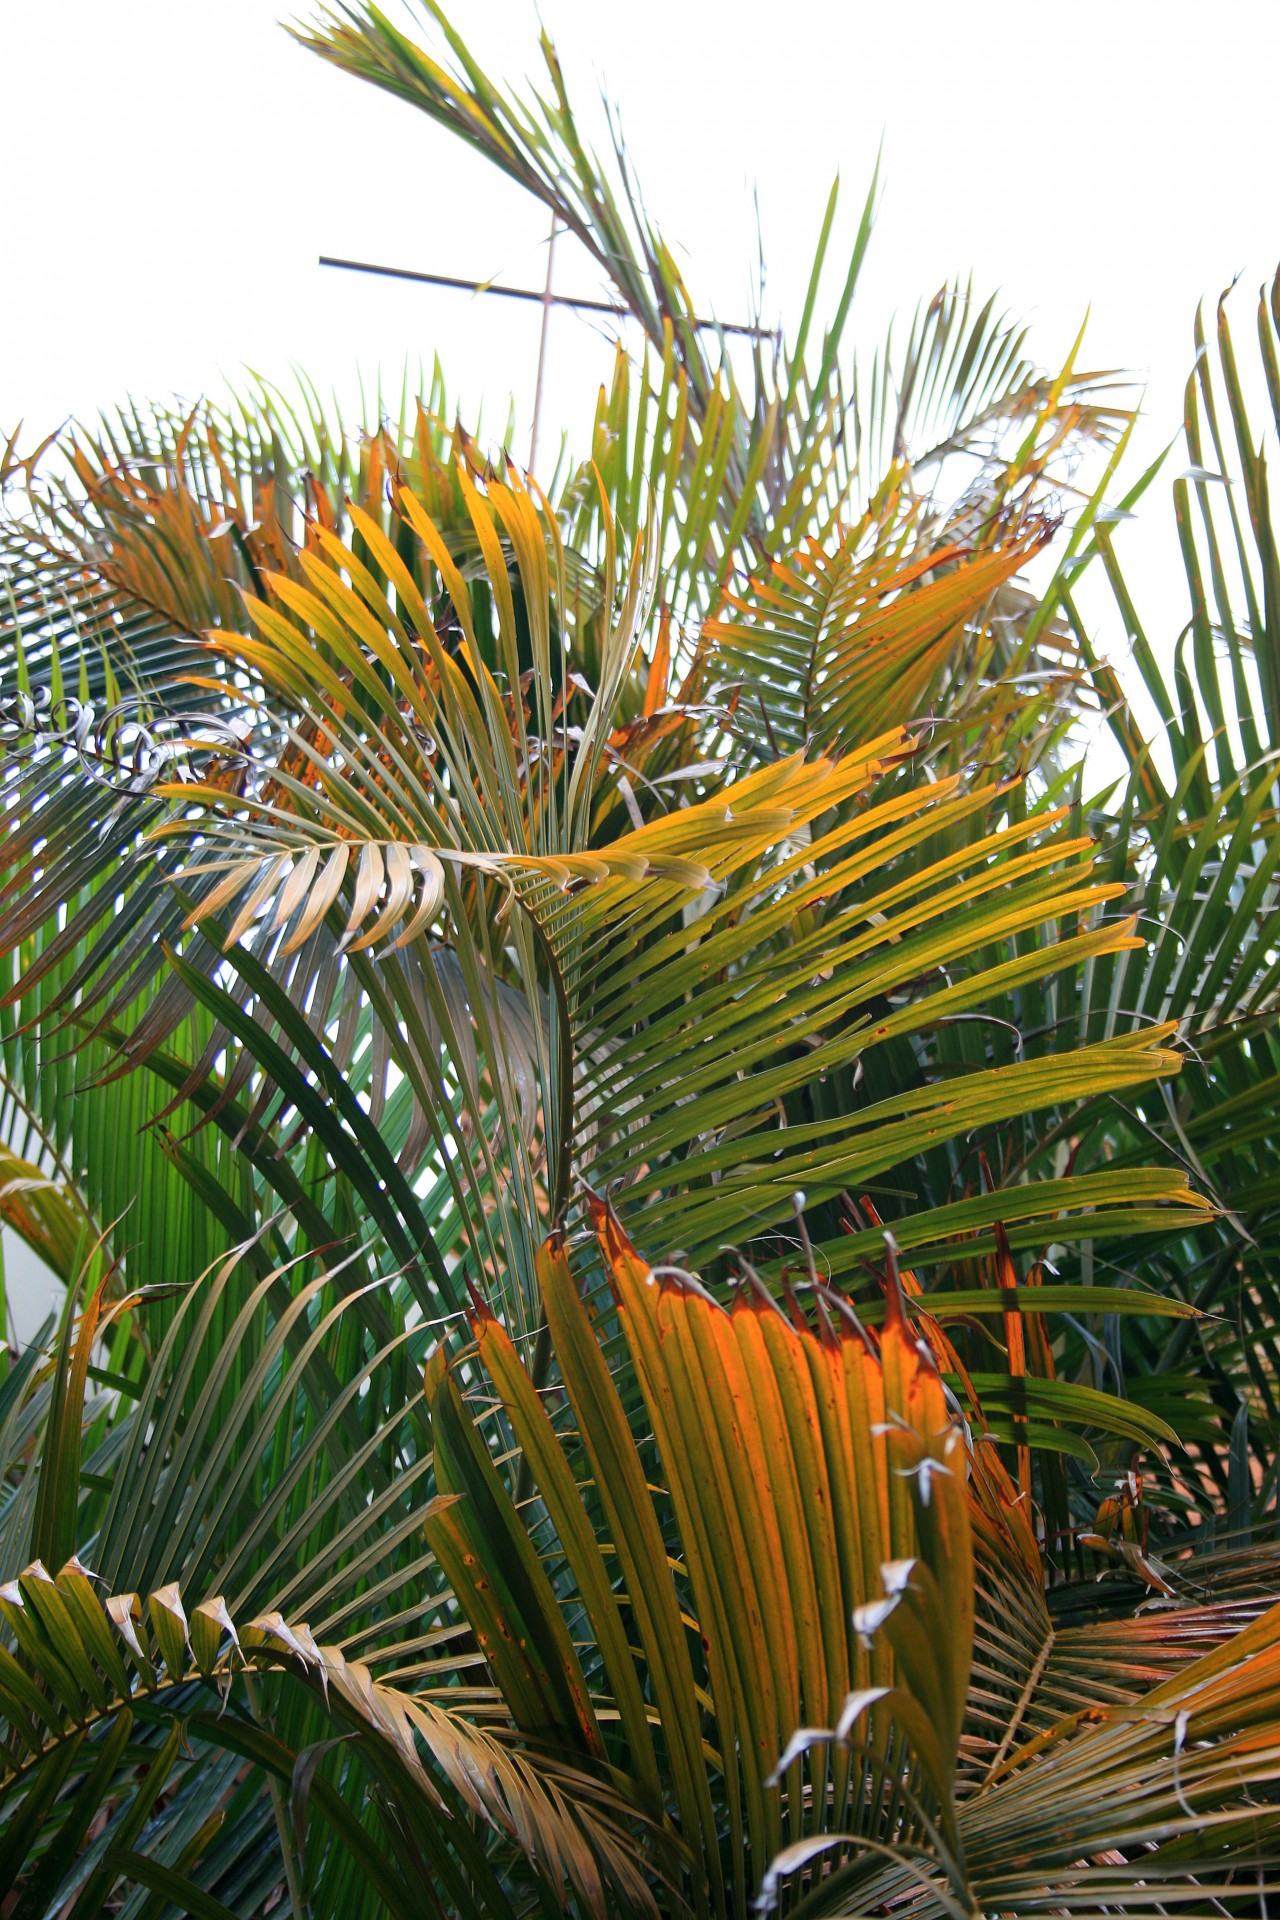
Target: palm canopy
x: 642, y: 1209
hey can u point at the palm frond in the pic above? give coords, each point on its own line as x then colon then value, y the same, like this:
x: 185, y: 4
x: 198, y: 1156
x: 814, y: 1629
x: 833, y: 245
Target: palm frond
x: 87, y: 1668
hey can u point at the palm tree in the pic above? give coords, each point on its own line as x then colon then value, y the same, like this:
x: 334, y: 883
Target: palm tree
x: 637, y: 1193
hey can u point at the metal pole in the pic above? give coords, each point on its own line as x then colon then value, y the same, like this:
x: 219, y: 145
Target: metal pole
x: 542, y: 341
x: 579, y: 305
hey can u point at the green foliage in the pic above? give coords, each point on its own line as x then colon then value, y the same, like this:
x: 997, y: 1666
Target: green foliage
x: 667, y: 1226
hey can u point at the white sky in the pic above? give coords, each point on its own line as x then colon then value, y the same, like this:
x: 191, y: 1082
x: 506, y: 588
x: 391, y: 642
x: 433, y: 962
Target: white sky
x: 175, y: 170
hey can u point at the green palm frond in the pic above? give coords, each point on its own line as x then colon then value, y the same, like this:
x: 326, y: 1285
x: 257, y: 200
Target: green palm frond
x: 833, y: 647
x: 867, y: 1504
x: 408, y: 814
x: 1191, y: 830
x: 786, y: 452
x: 89, y: 1669
x: 1173, y: 1791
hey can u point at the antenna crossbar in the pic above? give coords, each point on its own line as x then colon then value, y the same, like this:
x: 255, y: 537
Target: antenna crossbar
x: 538, y: 296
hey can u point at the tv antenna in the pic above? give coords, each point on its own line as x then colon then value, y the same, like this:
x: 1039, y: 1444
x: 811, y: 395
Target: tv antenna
x: 546, y: 299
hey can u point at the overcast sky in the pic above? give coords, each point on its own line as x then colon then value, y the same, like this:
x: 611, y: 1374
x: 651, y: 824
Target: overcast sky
x: 174, y: 170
